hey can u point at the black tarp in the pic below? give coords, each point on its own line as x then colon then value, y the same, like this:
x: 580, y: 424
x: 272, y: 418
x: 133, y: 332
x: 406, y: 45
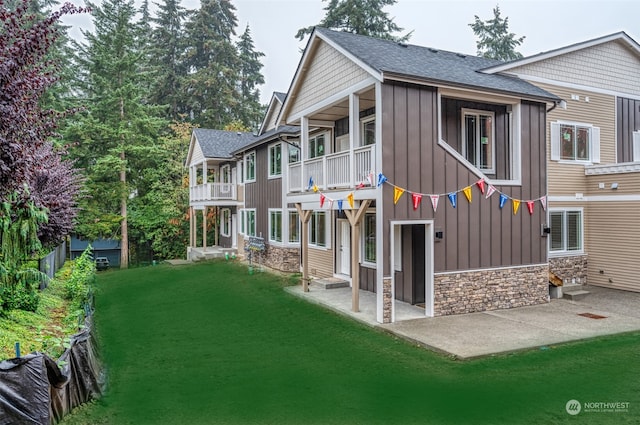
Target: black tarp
x: 34, y: 389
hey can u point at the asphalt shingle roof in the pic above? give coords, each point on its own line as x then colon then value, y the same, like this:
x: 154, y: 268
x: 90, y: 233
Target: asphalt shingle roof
x: 270, y: 135
x: 220, y: 143
x: 437, y: 66
x: 280, y: 96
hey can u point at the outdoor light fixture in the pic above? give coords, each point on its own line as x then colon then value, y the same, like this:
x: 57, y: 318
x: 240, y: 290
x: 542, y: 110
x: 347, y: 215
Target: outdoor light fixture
x: 614, y: 186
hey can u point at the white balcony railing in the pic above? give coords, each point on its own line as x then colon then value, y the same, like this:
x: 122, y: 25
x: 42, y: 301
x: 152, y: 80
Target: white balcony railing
x: 333, y: 171
x: 213, y: 192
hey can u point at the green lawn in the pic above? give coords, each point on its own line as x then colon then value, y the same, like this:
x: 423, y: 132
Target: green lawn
x: 211, y: 344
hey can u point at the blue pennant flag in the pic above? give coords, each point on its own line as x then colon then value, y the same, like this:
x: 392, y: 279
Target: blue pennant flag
x: 310, y: 183
x: 503, y: 200
x: 339, y: 205
x: 453, y: 198
x: 381, y: 179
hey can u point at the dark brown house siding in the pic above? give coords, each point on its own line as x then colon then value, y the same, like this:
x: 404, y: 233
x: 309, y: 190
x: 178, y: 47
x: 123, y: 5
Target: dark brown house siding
x: 478, y: 234
x: 264, y: 193
x: 628, y: 121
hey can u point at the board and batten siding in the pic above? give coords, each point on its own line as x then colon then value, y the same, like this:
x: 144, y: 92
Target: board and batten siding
x: 567, y: 178
x: 478, y: 234
x: 264, y: 193
x: 196, y: 156
x: 628, y: 121
x: 330, y: 73
x: 609, y: 66
x: 614, y: 244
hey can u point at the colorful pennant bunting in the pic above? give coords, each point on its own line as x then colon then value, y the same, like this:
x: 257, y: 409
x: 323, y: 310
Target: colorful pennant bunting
x: 530, y: 207
x: 453, y: 198
x: 339, y: 205
x: 543, y: 202
x: 467, y: 193
x: 480, y: 184
x: 322, y: 199
x: 503, y: 199
x: 490, y: 191
x: 315, y: 188
x: 310, y: 183
x: 350, y: 200
x: 397, y: 193
x: 416, y: 198
x: 381, y: 179
x: 434, y: 201
x: 515, y: 204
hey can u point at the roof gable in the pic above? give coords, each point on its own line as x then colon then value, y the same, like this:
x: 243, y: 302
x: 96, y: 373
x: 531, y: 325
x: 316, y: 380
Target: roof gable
x: 273, y: 110
x: 218, y: 144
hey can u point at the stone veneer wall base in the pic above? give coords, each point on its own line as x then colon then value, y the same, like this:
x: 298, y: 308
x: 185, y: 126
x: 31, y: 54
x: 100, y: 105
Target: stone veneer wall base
x: 572, y: 270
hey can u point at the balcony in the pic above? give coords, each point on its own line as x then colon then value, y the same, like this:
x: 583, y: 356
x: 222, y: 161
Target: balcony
x: 333, y: 171
x: 213, y: 192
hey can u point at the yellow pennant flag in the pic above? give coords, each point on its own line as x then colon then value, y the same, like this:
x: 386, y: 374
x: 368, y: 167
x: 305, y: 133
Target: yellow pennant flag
x: 467, y: 193
x: 397, y: 193
x: 516, y: 205
x: 315, y: 188
x: 350, y: 200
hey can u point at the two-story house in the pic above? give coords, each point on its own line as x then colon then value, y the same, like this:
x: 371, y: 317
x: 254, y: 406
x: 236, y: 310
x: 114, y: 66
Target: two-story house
x: 420, y: 177
x: 593, y: 160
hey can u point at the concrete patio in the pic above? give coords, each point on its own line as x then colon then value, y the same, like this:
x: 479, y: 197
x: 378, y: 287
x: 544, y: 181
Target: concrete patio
x: 492, y: 332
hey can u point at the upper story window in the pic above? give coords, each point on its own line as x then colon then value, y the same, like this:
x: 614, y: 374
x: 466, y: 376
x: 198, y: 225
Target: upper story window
x: 575, y: 142
x: 478, y: 143
x: 317, y: 145
x: 250, y: 167
x: 566, y: 231
x: 294, y: 154
x: 275, y: 160
x: 225, y: 173
x: 368, y: 132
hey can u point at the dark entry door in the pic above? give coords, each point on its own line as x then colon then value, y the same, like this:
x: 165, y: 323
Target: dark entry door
x: 418, y: 255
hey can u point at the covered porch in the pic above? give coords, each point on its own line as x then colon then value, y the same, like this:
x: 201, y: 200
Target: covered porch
x: 212, y: 232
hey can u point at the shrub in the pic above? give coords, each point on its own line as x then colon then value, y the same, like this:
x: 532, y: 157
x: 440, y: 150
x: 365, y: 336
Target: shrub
x: 78, y: 286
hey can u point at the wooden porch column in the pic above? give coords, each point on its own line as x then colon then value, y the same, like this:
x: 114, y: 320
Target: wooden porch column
x: 191, y: 226
x: 216, y: 240
x: 355, y: 217
x: 304, y: 245
x: 204, y: 228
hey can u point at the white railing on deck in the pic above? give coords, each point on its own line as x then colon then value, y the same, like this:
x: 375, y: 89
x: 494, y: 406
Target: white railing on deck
x: 213, y: 192
x: 334, y: 170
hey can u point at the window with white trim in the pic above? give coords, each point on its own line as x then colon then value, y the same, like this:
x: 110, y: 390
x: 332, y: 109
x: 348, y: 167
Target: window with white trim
x: 275, y: 225
x: 566, y: 231
x: 294, y: 154
x: 636, y: 146
x: 225, y: 173
x: 318, y: 229
x: 575, y: 142
x: 294, y: 226
x: 275, y: 160
x: 250, y: 225
x: 369, y: 238
x: 225, y: 221
x: 368, y: 132
x: 317, y: 145
x: 242, y: 222
x: 479, y: 141
x: 250, y: 167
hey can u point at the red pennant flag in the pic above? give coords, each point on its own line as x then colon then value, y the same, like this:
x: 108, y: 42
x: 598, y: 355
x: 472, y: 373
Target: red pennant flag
x: 530, y: 207
x: 360, y: 186
x: 480, y: 184
x: 416, y: 198
x: 322, y: 198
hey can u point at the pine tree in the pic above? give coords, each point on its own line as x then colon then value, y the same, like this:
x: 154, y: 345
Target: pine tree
x: 167, y: 49
x: 494, y: 39
x: 119, y: 127
x: 212, y: 63
x: 364, y: 17
x: 250, y: 111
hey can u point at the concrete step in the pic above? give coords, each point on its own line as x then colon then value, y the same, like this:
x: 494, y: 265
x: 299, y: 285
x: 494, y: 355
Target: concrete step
x: 575, y: 295
x: 330, y: 283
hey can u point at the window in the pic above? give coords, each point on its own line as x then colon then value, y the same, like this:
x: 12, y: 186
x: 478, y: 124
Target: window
x: 275, y: 160
x: 250, y: 226
x: 368, y: 132
x: 575, y: 142
x: 226, y: 222
x: 566, y: 231
x: 250, y: 167
x: 242, y: 222
x: 369, y: 238
x: 318, y: 229
x: 225, y: 173
x: 636, y: 146
x: 316, y: 145
x: 294, y: 154
x: 294, y: 227
x: 478, y: 146
x: 275, y: 226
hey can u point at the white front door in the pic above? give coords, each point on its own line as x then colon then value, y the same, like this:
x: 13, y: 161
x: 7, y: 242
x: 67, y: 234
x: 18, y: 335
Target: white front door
x: 344, y: 247
x: 234, y: 231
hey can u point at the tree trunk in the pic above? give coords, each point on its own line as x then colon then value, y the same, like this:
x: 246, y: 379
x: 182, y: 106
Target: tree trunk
x: 124, y: 230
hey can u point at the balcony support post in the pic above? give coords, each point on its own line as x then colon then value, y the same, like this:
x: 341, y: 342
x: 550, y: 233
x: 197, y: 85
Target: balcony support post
x: 354, y: 134
x: 304, y: 215
x: 304, y: 146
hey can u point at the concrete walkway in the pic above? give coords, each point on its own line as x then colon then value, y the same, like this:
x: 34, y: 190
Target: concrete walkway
x: 480, y: 334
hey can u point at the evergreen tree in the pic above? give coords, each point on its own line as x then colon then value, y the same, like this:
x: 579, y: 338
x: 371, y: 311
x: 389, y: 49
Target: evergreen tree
x: 494, y: 39
x: 119, y: 127
x: 167, y: 48
x: 364, y: 17
x: 212, y: 64
x: 251, y: 111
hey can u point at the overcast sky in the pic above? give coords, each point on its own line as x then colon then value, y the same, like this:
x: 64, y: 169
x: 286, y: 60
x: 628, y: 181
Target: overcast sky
x: 547, y: 25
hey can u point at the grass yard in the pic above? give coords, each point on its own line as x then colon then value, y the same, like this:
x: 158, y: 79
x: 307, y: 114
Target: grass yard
x: 211, y: 344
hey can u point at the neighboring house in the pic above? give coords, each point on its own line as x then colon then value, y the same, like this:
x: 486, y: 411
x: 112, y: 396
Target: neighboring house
x: 593, y: 140
x: 109, y: 248
x: 265, y: 212
x: 214, y: 192
x: 437, y: 129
